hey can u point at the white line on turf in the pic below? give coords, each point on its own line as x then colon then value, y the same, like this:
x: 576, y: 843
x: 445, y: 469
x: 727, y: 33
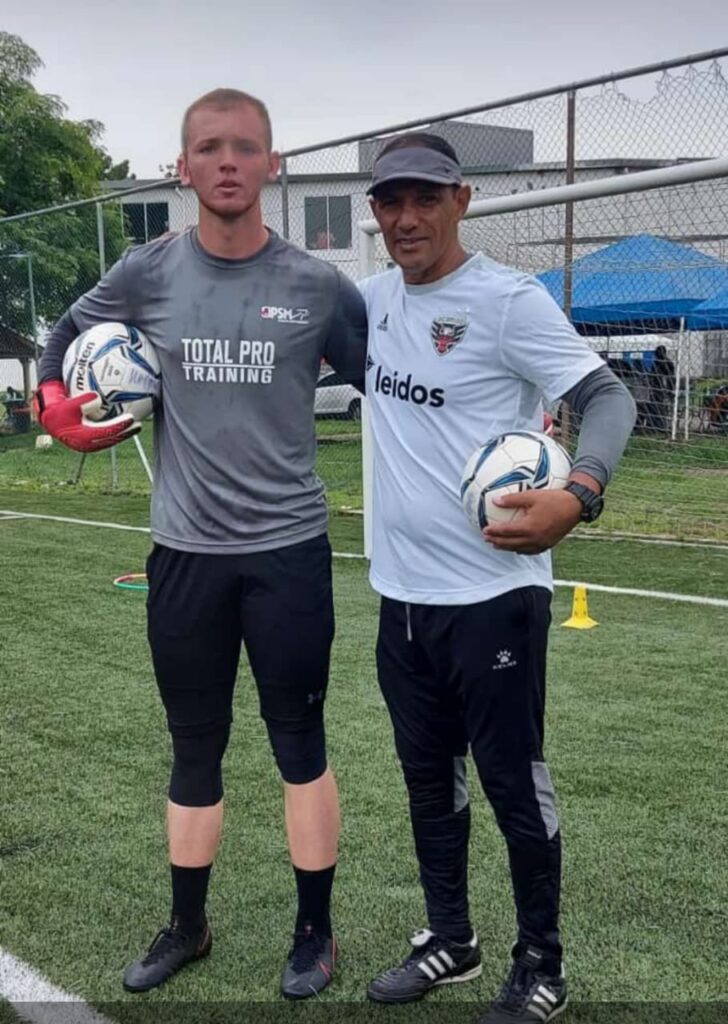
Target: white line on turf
x: 36, y: 1000
x: 618, y: 537
x: 75, y: 522
x: 595, y: 535
x: 663, y: 595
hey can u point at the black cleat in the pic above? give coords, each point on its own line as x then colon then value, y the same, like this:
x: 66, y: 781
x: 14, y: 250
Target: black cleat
x: 530, y: 995
x: 173, y: 947
x: 310, y: 964
x: 433, y: 961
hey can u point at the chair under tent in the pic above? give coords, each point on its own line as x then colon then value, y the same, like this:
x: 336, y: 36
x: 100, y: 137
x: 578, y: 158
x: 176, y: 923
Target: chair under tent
x: 14, y: 346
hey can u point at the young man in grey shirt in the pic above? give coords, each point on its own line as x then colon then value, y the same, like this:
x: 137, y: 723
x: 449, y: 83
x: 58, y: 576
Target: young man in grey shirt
x: 241, y: 321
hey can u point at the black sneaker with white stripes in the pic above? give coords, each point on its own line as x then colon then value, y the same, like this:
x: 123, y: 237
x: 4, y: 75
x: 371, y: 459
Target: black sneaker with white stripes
x: 530, y: 994
x: 433, y: 961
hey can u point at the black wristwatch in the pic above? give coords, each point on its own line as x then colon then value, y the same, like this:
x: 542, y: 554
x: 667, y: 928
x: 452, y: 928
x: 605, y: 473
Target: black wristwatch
x: 592, y: 504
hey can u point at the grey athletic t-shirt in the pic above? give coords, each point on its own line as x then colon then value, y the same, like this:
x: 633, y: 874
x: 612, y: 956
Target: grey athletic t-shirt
x: 240, y: 344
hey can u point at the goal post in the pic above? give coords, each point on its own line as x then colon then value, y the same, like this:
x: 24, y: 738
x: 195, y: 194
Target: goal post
x: 640, y: 266
x: 367, y: 267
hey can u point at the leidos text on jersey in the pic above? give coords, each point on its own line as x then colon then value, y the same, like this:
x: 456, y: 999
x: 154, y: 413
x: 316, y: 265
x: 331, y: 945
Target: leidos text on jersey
x: 403, y: 389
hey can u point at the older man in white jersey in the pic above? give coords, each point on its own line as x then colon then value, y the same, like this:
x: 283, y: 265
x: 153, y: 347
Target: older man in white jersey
x: 462, y: 349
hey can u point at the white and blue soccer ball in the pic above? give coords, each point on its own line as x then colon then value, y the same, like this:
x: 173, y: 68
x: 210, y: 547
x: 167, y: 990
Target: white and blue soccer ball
x: 120, y: 364
x: 522, y: 460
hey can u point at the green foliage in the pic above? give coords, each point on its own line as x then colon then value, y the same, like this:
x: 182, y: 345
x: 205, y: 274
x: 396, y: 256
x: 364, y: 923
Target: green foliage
x: 64, y: 247
x: 116, y: 172
x: 19, y: 62
x: 44, y: 157
x: 47, y: 159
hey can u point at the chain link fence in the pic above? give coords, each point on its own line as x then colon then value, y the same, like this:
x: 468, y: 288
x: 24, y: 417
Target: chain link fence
x: 618, y: 124
x: 656, y: 310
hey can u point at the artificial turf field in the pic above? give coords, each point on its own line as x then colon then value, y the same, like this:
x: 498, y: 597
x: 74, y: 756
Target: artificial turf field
x: 661, y: 489
x: 637, y: 729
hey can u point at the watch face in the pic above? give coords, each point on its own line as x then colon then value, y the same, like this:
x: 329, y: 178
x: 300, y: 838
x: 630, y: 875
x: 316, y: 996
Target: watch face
x: 594, y: 509
x: 592, y: 503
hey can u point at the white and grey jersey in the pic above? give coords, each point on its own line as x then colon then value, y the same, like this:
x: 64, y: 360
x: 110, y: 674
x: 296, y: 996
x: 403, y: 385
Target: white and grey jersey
x: 451, y: 364
x: 240, y: 344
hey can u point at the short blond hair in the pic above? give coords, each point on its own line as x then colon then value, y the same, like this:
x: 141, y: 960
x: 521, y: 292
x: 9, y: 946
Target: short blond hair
x: 224, y: 99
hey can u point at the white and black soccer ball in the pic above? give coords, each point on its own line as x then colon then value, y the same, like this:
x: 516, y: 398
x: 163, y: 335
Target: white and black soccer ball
x: 522, y: 460
x: 120, y: 364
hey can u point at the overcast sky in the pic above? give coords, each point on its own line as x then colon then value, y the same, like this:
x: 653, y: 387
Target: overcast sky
x: 328, y: 68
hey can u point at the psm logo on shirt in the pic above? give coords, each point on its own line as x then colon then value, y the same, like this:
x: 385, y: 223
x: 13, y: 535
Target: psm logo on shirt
x: 284, y: 315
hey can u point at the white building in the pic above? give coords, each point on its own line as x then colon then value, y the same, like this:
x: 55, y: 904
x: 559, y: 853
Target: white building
x: 323, y: 211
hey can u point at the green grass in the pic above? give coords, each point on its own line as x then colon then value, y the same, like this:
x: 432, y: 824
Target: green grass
x: 133, y: 510
x: 636, y: 740
x: 619, y: 562
x: 23, y: 469
x: 702, y: 572
x: 676, y: 490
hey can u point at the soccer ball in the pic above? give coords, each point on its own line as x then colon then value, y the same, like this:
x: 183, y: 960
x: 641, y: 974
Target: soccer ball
x: 119, y: 364
x: 522, y: 460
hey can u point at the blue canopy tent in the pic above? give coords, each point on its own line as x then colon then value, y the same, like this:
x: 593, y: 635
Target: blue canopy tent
x: 711, y: 315
x: 639, y: 285
x: 644, y: 285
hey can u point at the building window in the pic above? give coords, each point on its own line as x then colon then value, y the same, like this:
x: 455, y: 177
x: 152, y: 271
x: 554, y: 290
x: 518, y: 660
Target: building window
x: 328, y: 222
x: 145, y: 221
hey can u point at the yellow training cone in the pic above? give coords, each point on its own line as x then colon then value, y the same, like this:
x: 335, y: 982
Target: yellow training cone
x: 580, y: 612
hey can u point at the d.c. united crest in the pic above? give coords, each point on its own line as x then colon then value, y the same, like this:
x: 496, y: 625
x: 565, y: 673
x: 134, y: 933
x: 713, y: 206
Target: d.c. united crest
x: 447, y: 332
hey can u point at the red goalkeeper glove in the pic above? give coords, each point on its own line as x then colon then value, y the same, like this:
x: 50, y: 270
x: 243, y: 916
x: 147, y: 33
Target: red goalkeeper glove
x: 64, y: 418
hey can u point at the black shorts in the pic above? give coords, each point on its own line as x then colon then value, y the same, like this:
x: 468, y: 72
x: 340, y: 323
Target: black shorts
x: 473, y: 675
x: 202, y: 608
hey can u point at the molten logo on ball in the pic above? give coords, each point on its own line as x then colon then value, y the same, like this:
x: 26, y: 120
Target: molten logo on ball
x: 117, y: 362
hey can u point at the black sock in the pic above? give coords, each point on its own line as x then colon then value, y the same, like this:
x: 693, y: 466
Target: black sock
x: 189, y: 892
x: 461, y: 937
x: 314, y: 898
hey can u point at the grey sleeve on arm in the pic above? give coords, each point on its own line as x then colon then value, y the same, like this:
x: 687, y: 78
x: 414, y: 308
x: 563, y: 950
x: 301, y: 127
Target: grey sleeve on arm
x: 608, y: 415
x: 51, y: 362
x: 346, y: 345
